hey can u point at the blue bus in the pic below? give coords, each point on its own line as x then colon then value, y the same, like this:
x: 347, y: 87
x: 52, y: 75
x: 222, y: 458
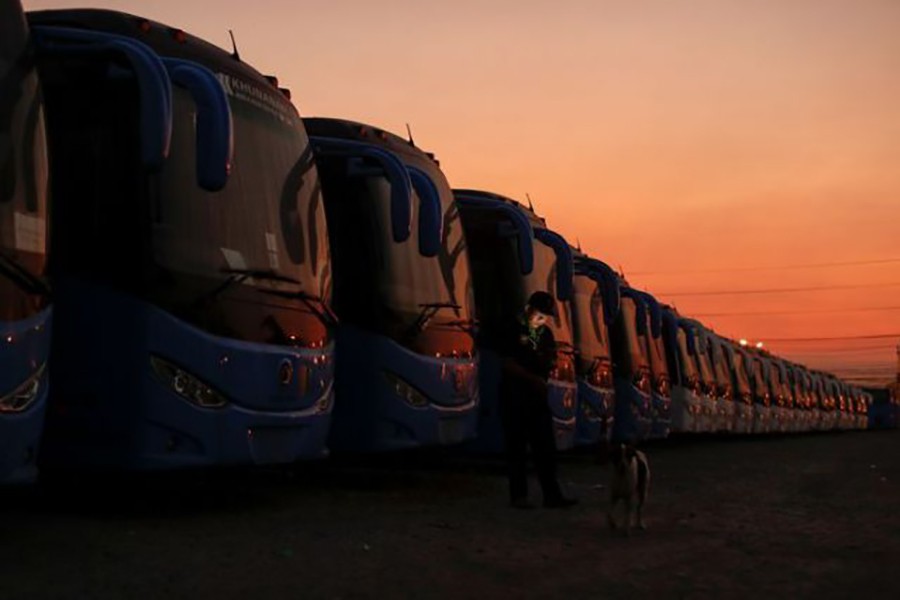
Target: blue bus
x: 594, y: 308
x: 189, y: 254
x: 687, y: 395
x: 859, y: 405
x: 696, y: 339
x: 726, y: 406
x: 24, y: 298
x: 513, y: 254
x: 406, y: 365
x: 632, y: 376
x: 658, y: 356
x: 802, y: 397
x: 738, y: 362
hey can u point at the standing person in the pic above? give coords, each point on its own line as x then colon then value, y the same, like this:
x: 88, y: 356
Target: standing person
x: 529, y: 353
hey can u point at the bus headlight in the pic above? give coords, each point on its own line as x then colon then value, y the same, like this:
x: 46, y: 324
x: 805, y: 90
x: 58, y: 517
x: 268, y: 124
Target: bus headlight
x: 326, y: 399
x: 406, y: 390
x: 24, y: 395
x: 186, y: 385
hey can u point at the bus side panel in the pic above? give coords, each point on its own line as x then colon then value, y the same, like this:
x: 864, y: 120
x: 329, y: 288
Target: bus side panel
x: 562, y: 398
x: 661, y: 413
x: 24, y: 349
x: 389, y: 398
x: 633, y: 420
x: 596, y: 414
x: 111, y: 410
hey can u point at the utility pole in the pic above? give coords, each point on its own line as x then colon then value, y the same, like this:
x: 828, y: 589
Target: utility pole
x: 897, y: 382
x: 898, y: 365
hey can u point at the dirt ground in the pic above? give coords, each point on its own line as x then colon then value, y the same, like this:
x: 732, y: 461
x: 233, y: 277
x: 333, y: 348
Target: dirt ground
x: 789, y: 517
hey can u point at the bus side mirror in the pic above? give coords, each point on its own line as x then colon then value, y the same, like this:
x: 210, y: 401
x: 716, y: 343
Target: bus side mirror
x: 392, y: 168
x: 215, y: 140
x: 431, y: 214
x: 154, y: 86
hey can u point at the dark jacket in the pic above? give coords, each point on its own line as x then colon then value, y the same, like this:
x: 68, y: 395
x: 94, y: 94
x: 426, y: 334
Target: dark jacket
x: 528, y: 357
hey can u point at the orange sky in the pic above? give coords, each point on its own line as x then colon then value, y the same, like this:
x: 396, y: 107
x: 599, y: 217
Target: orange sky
x: 666, y: 135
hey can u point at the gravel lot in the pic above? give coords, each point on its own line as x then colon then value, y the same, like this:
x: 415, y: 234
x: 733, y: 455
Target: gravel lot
x: 791, y: 517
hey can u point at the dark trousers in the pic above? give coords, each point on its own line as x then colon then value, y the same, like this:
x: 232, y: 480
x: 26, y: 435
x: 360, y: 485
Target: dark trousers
x: 527, y: 422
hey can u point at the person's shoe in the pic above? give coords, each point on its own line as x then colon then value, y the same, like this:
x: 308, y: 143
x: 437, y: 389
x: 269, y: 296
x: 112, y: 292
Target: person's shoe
x: 521, y: 504
x: 561, y: 502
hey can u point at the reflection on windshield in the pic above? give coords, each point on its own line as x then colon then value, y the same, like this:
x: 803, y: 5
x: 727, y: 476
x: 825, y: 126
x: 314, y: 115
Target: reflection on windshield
x: 740, y: 368
x: 543, y: 278
x: 425, y: 303
x: 587, y: 314
x: 269, y: 215
x: 627, y: 342
x: 23, y: 179
x: 688, y: 366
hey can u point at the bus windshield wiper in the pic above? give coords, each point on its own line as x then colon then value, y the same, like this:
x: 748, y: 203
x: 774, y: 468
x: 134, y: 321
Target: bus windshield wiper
x: 566, y: 348
x: 427, y: 312
x: 267, y: 274
x: 316, y: 304
x: 236, y: 276
x: 466, y: 325
x: 22, y: 277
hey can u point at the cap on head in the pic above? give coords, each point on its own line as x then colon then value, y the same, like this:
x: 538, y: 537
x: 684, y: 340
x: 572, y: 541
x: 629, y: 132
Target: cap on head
x: 543, y: 303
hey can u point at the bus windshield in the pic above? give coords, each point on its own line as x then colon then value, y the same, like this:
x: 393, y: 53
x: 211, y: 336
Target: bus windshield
x: 23, y: 173
x: 165, y: 239
x: 760, y: 388
x: 706, y: 372
x: 424, y: 303
x: 587, y: 312
x: 268, y: 218
x: 740, y: 370
x: 723, y: 377
x: 628, y: 344
x: 688, y: 365
x: 657, y: 354
x: 543, y: 278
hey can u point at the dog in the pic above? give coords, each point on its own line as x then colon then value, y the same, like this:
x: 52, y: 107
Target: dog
x: 630, y: 482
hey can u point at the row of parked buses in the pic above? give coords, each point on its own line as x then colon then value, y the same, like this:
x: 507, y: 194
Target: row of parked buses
x: 232, y: 284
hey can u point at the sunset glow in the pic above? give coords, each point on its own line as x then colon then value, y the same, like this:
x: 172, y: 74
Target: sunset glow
x: 737, y: 159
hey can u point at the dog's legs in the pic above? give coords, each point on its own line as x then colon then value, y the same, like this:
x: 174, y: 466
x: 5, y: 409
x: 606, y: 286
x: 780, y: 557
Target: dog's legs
x: 610, y: 519
x: 640, y: 517
x: 628, y: 516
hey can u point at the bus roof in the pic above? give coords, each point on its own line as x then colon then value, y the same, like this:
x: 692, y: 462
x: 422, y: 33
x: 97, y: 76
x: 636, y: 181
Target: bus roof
x: 164, y: 39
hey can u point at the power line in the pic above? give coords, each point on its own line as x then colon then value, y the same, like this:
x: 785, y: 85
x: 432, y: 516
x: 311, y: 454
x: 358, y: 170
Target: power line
x: 877, y: 336
x: 799, y: 312
x: 775, y: 268
x: 842, y: 350
x: 780, y: 290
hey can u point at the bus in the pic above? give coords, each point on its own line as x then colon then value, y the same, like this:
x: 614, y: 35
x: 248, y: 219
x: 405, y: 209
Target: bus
x: 738, y: 363
x: 686, y: 393
x: 795, y: 387
x: 780, y: 395
x: 594, y: 309
x: 697, y: 336
x: 820, y: 402
x: 762, y: 396
x: 835, y: 399
x: 848, y: 409
x: 631, y: 369
x: 513, y: 254
x: 661, y: 379
x: 861, y: 417
x: 726, y: 406
x: 25, y: 308
x: 407, y: 366
x: 189, y: 254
